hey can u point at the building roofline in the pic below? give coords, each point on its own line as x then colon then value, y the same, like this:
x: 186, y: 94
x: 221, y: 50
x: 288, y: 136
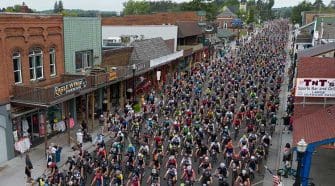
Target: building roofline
x: 27, y: 14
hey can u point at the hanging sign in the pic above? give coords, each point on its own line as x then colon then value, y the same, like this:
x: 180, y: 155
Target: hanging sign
x: 112, y: 75
x: 70, y: 87
x: 158, y: 75
x: 315, y: 87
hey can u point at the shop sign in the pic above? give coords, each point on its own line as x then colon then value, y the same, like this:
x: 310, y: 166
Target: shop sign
x: 70, y: 87
x: 315, y: 87
x: 112, y: 75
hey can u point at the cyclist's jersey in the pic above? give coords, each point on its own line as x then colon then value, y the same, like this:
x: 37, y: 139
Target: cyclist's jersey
x: 188, y: 173
x: 188, y: 149
x: 172, y: 162
x: 154, y: 178
x: 205, y: 165
x: 206, y: 176
x: 140, y: 161
x: 203, y: 150
x: 260, y: 151
x: 229, y: 150
x: 252, y: 165
x: 118, y: 179
x: 223, y: 171
x: 266, y: 140
x: 134, y: 180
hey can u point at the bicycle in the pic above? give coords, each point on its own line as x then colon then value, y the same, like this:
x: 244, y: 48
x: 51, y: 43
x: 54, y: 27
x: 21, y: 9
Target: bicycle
x: 285, y: 172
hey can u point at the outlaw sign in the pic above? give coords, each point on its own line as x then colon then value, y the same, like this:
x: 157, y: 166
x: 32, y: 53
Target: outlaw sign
x: 315, y: 87
x: 70, y: 87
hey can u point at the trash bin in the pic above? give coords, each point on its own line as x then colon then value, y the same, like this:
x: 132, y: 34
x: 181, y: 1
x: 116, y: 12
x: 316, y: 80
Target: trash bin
x: 58, y: 153
x: 80, y: 137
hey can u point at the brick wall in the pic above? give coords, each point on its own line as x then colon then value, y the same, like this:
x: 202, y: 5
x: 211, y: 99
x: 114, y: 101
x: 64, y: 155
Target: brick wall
x: 152, y: 19
x: 22, y: 32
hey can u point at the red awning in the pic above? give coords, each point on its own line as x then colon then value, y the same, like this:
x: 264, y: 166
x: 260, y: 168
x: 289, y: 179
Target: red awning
x: 315, y: 123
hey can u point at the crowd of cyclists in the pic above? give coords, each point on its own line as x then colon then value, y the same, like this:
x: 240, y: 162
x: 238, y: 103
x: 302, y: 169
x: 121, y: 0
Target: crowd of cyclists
x: 212, y: 126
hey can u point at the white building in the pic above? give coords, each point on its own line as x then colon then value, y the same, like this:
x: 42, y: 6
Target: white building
x: 140, y: 32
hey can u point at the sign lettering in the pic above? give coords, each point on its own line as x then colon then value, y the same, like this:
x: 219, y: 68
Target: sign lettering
x: 70, y: 87
x: 315, y: 87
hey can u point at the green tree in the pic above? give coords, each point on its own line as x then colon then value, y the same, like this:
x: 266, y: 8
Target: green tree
x: 132, y: 7
x: 319, y: 4
x: 197, y: 5
x: 251, y: 15
x: 60, y: 6
x: 296, y: 11
x: 56, y: 7
x: 70, y: 13
x: 15, y: 8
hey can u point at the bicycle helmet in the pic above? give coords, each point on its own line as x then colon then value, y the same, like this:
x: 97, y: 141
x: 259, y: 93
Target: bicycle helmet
x: 222, y: 165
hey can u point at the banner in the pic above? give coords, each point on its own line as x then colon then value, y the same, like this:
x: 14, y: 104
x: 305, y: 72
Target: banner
x: 315, y: 87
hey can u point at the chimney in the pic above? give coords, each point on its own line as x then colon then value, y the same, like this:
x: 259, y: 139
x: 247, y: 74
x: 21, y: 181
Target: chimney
x: 24, y: 8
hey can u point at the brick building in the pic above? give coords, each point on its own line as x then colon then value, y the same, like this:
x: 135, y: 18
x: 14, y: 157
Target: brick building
x: 31, y: 55
x: 152, y: 19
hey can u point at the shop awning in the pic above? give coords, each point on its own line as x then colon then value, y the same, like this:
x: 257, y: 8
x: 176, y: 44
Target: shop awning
x: 166, y: 59
x: 315, y: 124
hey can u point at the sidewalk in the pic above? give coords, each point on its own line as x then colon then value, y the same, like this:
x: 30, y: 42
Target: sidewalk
x: 13, y: 170
x: 279, y: 139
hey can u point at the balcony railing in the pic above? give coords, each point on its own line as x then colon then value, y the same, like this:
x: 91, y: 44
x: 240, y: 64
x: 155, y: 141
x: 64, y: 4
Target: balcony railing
x: 195, y: 47
x: 99, y: 79
x: 50, y: 93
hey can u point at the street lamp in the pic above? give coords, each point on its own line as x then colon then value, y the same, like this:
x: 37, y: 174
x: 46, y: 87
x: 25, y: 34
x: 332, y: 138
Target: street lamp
x: 301, y: 148
x: 134, y: 69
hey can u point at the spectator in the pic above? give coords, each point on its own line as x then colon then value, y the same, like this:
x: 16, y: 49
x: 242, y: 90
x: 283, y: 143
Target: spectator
x: 286, y: 122
x: 28, y: 168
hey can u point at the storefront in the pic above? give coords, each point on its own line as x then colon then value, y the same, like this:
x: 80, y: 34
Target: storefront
x: 54, y: 110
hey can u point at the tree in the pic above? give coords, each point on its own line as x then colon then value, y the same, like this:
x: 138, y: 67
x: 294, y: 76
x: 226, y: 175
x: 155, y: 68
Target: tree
x: 56, y: 7
x: 319, y: 4
x: 198, y: 5
x: 132, y: 7
x: 251, y: 15
x: 296, y: 11
x: 60, y: 6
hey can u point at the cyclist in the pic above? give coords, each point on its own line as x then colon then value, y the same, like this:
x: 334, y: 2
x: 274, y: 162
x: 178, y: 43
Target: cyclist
x: 222, y: 171
x: 188, y: 175
x: 154, y: 178
x: 243, y: 178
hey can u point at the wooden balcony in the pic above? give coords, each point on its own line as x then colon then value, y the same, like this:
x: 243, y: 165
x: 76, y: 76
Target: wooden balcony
x: 47, y: 95
x: 195, y: 47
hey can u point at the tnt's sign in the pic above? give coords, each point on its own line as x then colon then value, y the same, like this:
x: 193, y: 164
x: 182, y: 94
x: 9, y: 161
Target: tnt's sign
x: 315, y: 87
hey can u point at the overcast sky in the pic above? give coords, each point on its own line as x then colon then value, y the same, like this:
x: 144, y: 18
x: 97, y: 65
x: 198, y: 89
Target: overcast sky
x: 107, y: 5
